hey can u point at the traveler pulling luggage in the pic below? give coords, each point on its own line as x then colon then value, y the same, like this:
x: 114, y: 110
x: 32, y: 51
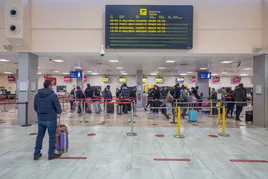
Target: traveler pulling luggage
x: 62, y: 142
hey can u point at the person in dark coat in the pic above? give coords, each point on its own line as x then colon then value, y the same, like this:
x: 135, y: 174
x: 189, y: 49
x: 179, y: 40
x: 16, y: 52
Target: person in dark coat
x: 177, y: 91
x: 80, y: 97
x: 156, y: 99
x: 47, y: 107
x: 240, y: 98
x: 89, y: 96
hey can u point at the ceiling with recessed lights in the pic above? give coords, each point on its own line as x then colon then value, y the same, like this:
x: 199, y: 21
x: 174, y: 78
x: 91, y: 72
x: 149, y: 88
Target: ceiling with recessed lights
x: 222, y: 65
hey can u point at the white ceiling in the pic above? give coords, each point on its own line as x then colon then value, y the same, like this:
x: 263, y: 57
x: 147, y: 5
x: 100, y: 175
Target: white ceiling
x: 132, y: 63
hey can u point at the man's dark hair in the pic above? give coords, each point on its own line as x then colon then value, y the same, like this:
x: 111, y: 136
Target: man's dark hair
x: 108, y: 86
x: 78, y: 87
x: 47, y: 83
x: 124, y: 84
x: 197, y: 87
x: 88, y: 85
x: 241, y: 85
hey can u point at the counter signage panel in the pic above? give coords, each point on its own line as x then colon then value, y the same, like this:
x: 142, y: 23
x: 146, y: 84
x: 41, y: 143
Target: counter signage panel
x: 151, y: 27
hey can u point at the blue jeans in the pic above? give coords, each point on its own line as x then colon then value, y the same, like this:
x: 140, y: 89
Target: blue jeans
x: 51, y: 126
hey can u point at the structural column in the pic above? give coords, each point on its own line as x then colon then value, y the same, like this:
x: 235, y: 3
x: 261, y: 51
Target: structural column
x: 203, y: 85
x: 260, y: 90
x: 27, y: 87
x: 139, y: 88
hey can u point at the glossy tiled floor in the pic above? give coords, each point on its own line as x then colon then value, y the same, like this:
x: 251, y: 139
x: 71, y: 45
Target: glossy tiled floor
x: 111, y: 154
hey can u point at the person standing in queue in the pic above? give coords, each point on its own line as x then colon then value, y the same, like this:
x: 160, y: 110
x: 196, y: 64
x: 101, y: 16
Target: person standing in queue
x: 71, y: 100
x: 168, y: 102
x: 89, y: 96
x: 156, y: 98
x: 47, y: 107
x: 97, y: 99
x: 184, y: 98
x: 80, y: 97
x: 240, y: 98
x: 125, y: 94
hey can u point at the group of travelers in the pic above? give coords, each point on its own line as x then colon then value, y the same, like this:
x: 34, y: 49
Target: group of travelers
x: 164, y: 98
x: 84, y: 99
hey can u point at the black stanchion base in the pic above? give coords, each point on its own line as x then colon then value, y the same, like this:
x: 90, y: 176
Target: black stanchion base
x: 173, y: 123
x: 223, y: 135
x: 26, y: 125
x: 179, y: 136
x: 132, y: 134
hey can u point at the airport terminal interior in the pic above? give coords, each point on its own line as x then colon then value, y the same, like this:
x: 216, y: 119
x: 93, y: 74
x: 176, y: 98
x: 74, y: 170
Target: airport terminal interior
x: 154, y: 89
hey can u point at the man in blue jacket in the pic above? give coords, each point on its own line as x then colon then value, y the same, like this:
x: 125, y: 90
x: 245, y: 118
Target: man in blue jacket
x: 47, y: 107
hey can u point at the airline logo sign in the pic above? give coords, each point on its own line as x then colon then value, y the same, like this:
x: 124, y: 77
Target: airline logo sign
x: 143, y: 11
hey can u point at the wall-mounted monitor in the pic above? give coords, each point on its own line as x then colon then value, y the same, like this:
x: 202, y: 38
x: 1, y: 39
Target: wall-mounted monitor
x: 105, y: 79
x: 180, y: 80
x: 67, y: 79
x: 237, y: 79
x: 159, y: 79
x: 193, y: 79
x: 216, y: 79
x: 11, y: 78
x: 144, y: 79
x: 205, y: 75
x: 76, y: 74
x: 122, y: 79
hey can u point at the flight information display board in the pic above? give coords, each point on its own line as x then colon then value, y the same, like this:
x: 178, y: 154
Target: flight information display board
x: 153, y: 27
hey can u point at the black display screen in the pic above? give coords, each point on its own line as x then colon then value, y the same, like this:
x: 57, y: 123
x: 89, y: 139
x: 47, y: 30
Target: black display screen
x: 149, y: 26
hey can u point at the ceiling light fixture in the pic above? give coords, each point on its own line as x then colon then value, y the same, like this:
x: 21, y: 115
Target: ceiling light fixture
x: 203, y: 68
x: 89, y: 71
x: 94, y: 73
x: 39, y: 73
x: 170, y: 61
x: 247, y: 69
x: 183, y: 74
x: 114, y: 61
x: 39, y: 67
x: 58, y: 61
x: 8, y: 72
x: 189, y: 72
x: 243, y: 74
x: 65, y: 73
x: 77, y: 67
x: 4, y: 60
x: 56, y: 71
x: 226, y: 62
x: 154, y: 74
x: 123, y: 73
x: 214, y: 74
x: 119, y: 68
x: 161, y: 68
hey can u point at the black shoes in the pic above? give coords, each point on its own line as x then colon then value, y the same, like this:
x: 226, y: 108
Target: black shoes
x: 55, y: 156
x: 38, y: 156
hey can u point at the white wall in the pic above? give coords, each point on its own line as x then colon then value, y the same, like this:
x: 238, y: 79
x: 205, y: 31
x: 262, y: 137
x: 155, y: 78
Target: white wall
x: 131, y: 81
x: 220, y: 26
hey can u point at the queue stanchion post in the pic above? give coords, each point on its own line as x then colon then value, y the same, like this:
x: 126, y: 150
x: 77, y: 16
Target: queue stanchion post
x: 219, y: 113
x: 211, y: 108
x: 132, y: 133
x: 179, y: 136
x: 223, y: 133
